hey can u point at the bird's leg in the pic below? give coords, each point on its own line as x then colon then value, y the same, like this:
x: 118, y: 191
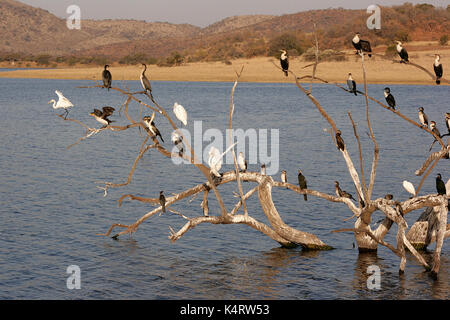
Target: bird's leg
x: 67, y: 113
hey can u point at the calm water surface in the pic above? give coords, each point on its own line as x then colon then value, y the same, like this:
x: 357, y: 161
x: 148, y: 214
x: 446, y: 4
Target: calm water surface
x: 51, y: 209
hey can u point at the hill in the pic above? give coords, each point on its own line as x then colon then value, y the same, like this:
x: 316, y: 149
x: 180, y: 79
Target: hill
x: 26, y: 31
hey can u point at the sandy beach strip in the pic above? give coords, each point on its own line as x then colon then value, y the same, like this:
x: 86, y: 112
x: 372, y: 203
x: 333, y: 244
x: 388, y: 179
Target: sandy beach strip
x: 261, y: 69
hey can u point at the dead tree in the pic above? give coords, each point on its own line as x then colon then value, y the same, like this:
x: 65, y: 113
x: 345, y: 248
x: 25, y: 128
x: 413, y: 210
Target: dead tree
x: 366, y: 238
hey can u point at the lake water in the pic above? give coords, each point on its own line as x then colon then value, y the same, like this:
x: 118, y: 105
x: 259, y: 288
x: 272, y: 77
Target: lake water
x: 51, y: 209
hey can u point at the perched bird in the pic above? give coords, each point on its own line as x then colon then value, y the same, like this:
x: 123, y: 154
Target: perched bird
x: 389, y: 98
x: 447, y: 121
x: 107, y: 78
x: 177, y: 140
x: 145, y: 82
x: 263, y: 169
x: 440, y: 185
x: 438, y: 70
x: 162, y: 201
x: 180, y: 113
x: 351, y: 84
x: 63, y: 103
x: 102, y: 116
x: 284, y: 62
x: 283, y: 176
x: 434, y: 128
x: 423, y: 117
x: 302, y: 183
x: 342, y: 193
x: 242, y: 162
x: 152, y: 127
x: 339, y: 141
x: 409, y: 187
x: 402, y: 52
x: 361, y: 45
x: 389, y: 197
x: 215, y: 161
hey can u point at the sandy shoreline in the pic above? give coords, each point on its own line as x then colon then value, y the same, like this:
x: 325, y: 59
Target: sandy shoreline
x: 259, y: 69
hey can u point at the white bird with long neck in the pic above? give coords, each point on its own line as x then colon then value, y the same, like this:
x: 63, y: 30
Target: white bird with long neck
x: 180, y: 113
x: 63, y: 103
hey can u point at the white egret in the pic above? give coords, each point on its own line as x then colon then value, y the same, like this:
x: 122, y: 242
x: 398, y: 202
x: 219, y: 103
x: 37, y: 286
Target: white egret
x: 63, y: 102
x: 180, y: 113
x: 409, y: 187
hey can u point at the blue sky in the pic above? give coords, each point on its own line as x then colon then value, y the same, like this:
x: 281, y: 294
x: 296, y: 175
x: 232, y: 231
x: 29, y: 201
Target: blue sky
x: 200, y: 12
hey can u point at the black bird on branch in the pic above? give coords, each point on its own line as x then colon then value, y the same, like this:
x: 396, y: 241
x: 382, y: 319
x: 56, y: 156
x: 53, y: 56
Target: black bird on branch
x: 440, y: 185
x: 302, y: 184
x: 361, y: 45
x: 402, y: 53
x: 162, y: 201
x: 102, y: 116
x: 284, y: 62
x: 389, y: 98
x: 423, y: 117
x: 107, y: 78
x: 438, y: 70
x: 152, y: 127
x: 339, y: 141
x: 145, y: 82
x: 342, y: 193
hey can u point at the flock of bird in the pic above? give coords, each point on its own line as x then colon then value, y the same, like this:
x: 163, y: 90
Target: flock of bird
x: 363, y: 46
x: 215, y: 157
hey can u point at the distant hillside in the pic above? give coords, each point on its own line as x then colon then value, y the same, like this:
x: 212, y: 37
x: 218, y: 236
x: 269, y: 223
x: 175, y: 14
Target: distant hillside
x: 32, y: 31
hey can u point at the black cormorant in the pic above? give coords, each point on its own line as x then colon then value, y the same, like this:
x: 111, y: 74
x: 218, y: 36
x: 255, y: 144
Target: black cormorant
x: 361, y: 45
x: 402, y: 52
x: 152, y: 127
x: 440, y: 185
x: 107, y: 78
x: 389, y: 98
x: 434, y: 128
x: 438, y: 70
x: 102, y: 116
x: 302, y: 184
x: 162, y: 201
x: 342, y: 193
x: 423, y: 117
x: 144, y: 81
x: 339, y: 141
x: 284, y: 61
x: 351, y: 84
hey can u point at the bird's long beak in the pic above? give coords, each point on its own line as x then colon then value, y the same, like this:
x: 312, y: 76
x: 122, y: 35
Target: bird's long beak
x: 50, y: 101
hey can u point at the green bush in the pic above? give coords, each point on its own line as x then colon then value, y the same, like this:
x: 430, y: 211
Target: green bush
x: 286, y: 41
x: 443, y: 40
